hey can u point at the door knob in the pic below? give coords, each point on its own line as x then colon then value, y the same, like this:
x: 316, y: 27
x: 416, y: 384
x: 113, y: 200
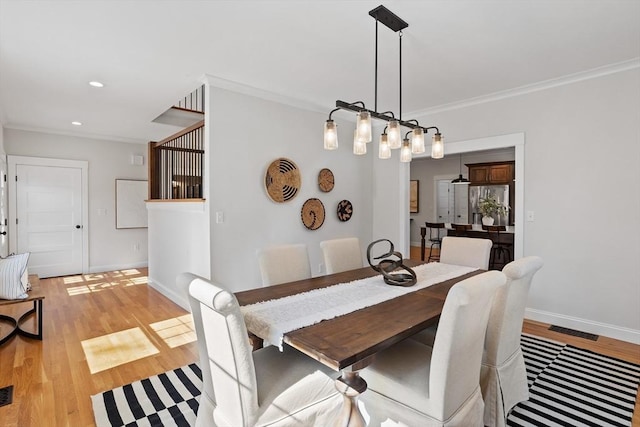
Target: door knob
x: 78, y: 226
x: 4, y: 233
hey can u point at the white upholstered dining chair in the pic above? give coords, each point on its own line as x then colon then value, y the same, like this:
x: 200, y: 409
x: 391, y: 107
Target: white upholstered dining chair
x: 242, y: 388
x: 466, y: 251
x: 341, y: 254
x: 416, y: 385
x: 284, y: 263
x: 503, y: 376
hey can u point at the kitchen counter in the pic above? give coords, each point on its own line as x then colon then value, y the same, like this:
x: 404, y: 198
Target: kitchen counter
x: 476, y: 232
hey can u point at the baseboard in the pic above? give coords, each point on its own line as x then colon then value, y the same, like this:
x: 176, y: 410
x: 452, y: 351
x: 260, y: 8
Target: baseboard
x: 611, y: 331
x: 103, y: 268
x: 171, y: 293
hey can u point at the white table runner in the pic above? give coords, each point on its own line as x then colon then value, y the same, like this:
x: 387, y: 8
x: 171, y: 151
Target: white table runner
x: 270, y: 320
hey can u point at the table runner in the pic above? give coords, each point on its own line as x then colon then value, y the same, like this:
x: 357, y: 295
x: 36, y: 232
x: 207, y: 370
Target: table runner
x: 270, y: 320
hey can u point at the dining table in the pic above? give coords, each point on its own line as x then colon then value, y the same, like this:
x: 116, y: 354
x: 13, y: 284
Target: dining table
x: 348, y: 341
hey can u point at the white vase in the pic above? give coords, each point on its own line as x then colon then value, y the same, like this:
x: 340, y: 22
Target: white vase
x: 487, y: 220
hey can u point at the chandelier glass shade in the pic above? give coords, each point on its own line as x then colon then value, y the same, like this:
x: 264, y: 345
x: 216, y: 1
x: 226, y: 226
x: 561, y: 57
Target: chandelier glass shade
x: 330, y: 135
x: 359, y: 146
x: 384, y: 149
x: 391, y: 138
x: 405, y: 151
x: 437, y: 146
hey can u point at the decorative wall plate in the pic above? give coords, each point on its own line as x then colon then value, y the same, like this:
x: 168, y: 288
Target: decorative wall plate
x: 325, y: 180
x: 312, y: 214
x: 282, y: 180
x: 345, y: 210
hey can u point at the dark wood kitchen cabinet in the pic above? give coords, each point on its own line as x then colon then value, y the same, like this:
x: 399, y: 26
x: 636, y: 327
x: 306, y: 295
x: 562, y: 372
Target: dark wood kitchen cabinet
x: 491, y: 173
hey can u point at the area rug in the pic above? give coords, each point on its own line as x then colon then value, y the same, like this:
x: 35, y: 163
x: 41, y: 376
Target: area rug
x: 568, y: 386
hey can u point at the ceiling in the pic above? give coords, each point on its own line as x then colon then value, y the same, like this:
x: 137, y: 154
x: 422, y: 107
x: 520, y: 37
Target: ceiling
x: 149, y: 54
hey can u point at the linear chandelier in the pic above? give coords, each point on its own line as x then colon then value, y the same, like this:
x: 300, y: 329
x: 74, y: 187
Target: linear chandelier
x: 391, y: 137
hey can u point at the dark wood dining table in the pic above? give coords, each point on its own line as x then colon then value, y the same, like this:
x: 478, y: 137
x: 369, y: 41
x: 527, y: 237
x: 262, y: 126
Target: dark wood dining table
x: 349, y: 342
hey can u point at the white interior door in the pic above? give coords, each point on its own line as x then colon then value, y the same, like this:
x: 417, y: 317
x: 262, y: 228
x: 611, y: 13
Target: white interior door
x: 445, y: 201
x: 49, y: 218
x: 461, y: 204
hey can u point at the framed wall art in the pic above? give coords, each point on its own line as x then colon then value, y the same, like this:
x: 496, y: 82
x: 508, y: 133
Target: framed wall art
x: 414, y: 196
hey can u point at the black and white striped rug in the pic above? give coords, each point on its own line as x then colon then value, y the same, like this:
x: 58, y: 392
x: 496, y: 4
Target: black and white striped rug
x: 568, y: 386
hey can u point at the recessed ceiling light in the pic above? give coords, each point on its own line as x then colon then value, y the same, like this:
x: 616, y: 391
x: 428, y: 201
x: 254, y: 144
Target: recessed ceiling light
x: 76, y: 123
x: 96, y: 84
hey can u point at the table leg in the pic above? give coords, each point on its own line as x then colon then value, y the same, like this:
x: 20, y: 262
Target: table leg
x: 350, y: 385
x: 423, y: 234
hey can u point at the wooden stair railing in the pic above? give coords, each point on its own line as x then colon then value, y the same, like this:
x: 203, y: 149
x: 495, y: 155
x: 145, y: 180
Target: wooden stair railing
x: 176, y: 165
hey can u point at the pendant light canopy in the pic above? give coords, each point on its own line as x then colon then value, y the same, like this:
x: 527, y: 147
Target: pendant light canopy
x: 392, y: 132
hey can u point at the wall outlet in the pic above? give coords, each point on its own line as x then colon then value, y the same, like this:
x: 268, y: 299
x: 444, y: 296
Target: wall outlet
x: 320, y: 267
x: 530, y: 216
x: 136, y: 247
x: 219, y: 217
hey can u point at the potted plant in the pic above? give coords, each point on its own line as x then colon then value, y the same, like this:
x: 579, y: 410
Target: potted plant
x: 490, y: 206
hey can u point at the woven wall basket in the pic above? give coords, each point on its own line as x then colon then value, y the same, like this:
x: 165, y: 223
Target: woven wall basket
x: 312, y: 214
x: 282, y: 180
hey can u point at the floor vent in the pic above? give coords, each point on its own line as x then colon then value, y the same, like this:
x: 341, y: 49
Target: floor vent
x: 573, y: 332
x: 6, y: 395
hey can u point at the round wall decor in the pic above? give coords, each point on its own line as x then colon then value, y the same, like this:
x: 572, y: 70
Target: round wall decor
x: 325, y: 180
x: 345, y: 210
x: 312, y: 214
x: 282, y: 180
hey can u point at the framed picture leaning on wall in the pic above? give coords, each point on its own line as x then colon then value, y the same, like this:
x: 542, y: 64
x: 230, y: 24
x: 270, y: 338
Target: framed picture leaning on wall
x: 413, y: 196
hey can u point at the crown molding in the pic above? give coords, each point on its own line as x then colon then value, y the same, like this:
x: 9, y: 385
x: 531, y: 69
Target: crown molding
x: 534, y: 87
x: 244, y: 89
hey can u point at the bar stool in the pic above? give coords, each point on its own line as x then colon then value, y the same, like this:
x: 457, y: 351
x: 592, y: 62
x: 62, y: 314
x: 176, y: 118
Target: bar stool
x: 500, y: 250
x: 460, y: 230
x: 434, y: 238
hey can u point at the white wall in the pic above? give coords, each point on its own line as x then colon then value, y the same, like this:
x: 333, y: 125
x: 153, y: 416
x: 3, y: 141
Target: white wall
x: 2, y: 151
x: 247, y: 133
x: 582, y: 181
x: 109, y: 249
x: 178, y: 242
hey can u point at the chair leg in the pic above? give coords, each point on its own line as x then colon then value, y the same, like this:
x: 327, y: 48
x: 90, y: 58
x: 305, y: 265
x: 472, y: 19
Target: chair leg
x: 431, y: 256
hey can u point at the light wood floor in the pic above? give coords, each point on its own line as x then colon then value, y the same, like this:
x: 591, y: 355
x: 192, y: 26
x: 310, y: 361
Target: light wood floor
x: 53, y: 379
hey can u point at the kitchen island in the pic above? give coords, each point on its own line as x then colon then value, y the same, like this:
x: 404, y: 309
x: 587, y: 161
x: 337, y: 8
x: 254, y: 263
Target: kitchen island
x: 476, y: 232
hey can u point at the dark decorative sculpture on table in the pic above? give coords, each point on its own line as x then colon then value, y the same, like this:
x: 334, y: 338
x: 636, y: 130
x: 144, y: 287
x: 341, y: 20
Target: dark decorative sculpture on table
x: 386, y: 267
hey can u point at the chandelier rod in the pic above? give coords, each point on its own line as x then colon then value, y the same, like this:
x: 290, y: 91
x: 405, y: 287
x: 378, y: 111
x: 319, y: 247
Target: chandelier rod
x: 387, y: 116
x: 375, y: 90
x: 400, y: 76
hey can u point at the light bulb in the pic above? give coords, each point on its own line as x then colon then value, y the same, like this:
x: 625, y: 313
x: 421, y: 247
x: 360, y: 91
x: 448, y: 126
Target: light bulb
x: 330, y: 135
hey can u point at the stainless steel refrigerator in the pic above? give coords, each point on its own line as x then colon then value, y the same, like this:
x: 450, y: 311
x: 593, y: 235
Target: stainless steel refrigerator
x: 477, y: 192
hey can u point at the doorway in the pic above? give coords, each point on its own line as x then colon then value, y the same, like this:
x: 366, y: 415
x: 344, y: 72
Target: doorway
x: 515, y: 141
x: 48, y: 214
